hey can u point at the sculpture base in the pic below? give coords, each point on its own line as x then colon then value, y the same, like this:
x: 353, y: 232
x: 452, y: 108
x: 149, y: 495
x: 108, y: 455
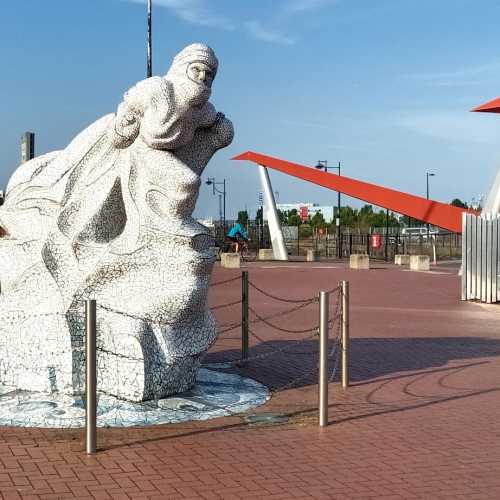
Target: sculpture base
x: 215, y: 394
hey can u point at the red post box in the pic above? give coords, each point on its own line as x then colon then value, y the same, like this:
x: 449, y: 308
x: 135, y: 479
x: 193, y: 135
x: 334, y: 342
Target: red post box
x: 376, y: 240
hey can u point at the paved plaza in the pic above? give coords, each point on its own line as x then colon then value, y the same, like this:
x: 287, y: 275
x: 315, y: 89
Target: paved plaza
x: 420, y: 420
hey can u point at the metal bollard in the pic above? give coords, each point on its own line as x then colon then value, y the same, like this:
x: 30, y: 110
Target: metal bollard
x: 90, y: 377
x: 323, y: 358
x: 345, y: 334
x: 244, y: 315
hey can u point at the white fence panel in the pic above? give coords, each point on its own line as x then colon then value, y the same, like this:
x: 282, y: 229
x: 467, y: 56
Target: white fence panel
x: 480, y: 258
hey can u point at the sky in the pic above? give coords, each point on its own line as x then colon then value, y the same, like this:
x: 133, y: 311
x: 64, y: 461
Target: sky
x: 383, y: 86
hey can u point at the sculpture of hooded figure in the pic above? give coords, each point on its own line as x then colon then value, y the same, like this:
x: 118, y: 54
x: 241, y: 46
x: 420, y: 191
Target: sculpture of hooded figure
x: 136, y: 177
x: 119, y: 200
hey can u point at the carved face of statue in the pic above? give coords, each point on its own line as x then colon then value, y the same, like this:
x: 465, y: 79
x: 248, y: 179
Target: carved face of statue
x: 200, y: 73
x: 193, y: 71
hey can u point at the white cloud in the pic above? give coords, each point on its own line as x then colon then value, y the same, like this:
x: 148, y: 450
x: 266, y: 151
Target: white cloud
x: 193, y: 11
x: 465, y: 76
x: 258, y: 31
x: 456, y: 126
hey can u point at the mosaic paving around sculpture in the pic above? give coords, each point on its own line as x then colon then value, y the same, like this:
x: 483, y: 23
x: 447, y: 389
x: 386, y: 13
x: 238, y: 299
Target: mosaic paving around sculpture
x: 215, y: 394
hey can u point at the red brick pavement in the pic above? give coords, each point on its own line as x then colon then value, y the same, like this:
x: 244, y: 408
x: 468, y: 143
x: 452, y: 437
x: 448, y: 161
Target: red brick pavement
x: 420, y: 420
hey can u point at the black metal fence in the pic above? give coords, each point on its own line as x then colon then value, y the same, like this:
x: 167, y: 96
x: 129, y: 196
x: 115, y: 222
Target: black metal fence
x: 446, y: 245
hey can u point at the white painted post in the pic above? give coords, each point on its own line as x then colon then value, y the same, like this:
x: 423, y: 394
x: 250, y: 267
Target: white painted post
x: 465, y: 269
x: 434, y: 256
x: 278, y: 243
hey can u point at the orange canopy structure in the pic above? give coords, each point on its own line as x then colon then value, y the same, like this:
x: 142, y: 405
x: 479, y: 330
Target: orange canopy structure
x: 433, y: 212
x: 489, y: 107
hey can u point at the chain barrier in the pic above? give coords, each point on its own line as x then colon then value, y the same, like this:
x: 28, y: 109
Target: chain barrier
x: 271, y: 346
x: 266, y: 322
x: 290, y: 348
x: 281, y: 299
x: 236, y: 278
x: 222, y: 306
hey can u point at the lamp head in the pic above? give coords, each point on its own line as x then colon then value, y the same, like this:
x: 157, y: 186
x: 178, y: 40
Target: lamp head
x: 209, y: 182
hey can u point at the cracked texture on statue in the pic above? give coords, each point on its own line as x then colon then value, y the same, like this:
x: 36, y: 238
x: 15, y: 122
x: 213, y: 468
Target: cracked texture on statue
x: 110, y: 218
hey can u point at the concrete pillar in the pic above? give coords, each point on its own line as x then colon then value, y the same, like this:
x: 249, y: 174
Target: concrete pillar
x: 401, y: 259
x: 419, y: 263
x: 266, y: 254
x: 230, y: 260
x: 312, y: 256
x: 359, y: 261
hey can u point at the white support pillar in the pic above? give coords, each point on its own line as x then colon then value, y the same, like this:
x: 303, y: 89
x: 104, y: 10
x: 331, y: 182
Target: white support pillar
x: 492, y: 202
x: 278, y: 243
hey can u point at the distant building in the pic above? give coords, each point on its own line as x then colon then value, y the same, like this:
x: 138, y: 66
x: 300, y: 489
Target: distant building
x: 306, y: 210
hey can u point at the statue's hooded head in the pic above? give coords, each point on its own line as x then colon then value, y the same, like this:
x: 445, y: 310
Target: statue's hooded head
x: 193, y: 71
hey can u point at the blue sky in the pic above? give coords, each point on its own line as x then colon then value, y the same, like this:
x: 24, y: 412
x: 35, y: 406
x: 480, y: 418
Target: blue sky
x: 384, y: 86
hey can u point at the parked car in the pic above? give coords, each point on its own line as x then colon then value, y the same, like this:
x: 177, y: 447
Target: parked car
x: 417, y: 232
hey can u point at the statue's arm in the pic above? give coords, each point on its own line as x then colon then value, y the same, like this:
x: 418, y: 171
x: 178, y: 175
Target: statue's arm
x: 130, y: 113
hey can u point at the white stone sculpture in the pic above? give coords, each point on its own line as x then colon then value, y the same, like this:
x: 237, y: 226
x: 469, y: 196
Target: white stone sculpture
x: 110, y: 218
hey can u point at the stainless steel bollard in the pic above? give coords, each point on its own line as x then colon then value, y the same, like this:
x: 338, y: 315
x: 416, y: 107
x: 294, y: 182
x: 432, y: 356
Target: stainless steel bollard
x: 323, y: 358
x: 345, y: 334
x: 90, y: 377
x: 244, y: 315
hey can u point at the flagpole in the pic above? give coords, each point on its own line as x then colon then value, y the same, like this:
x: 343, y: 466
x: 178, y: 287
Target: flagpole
x: 150, y: 49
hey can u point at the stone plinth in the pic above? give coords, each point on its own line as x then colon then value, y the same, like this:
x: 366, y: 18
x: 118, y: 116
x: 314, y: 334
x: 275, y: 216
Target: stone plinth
x: 312, y: 256
x: 359, y: 261
x: 266, y: 254
x: 419, y: 263
x: 230, y: 260
x: 401, y: 260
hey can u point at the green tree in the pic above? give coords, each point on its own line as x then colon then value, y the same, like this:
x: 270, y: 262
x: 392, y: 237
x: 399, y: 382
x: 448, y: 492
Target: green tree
x: 318, y: 220
x: 283, y: 217
x: 348, y: 217
x: 243, y: 217
x: 365, y: 218
x: 305, y: 230
x: 456, y: 202
x: 294, y: 218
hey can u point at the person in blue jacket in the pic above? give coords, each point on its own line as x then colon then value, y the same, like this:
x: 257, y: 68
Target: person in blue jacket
x: 236, y: 233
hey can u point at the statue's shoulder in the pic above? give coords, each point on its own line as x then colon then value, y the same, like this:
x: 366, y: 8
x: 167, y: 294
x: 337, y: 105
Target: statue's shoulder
x: 144, y: 91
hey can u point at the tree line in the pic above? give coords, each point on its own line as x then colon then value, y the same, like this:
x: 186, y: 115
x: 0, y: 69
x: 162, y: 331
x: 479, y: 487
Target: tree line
x: 360, y: 220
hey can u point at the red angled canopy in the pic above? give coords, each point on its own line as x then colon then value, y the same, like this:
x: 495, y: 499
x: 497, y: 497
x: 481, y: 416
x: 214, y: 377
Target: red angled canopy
x: 489, y: 107
x: 433, y: 212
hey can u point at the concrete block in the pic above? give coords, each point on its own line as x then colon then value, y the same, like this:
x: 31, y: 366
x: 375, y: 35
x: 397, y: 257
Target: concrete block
x: 401, y: 259
x: 419, y: 263
x: 312, y: 256
x: 230, y: 260
x: 266, y: 254
x: 359, y: 261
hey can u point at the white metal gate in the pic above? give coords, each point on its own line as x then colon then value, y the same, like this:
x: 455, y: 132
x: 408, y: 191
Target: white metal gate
x: 480, y: 258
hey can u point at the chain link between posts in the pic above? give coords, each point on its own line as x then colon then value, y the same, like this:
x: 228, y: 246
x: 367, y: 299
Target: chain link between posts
x: 298, y: 304
x: 334, y: 325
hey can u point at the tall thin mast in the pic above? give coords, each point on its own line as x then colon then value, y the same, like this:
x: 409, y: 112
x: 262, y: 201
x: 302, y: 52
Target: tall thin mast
x: 150, y: 48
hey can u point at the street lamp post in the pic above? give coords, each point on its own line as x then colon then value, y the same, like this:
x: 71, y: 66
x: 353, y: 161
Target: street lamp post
x: 149, y: 72
x: 211, y: 182
x: 427, y: 175
x: 323, y: 165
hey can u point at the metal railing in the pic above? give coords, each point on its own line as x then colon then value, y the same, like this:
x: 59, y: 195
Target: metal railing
x: 321, y: 330
x: 264, y: 348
